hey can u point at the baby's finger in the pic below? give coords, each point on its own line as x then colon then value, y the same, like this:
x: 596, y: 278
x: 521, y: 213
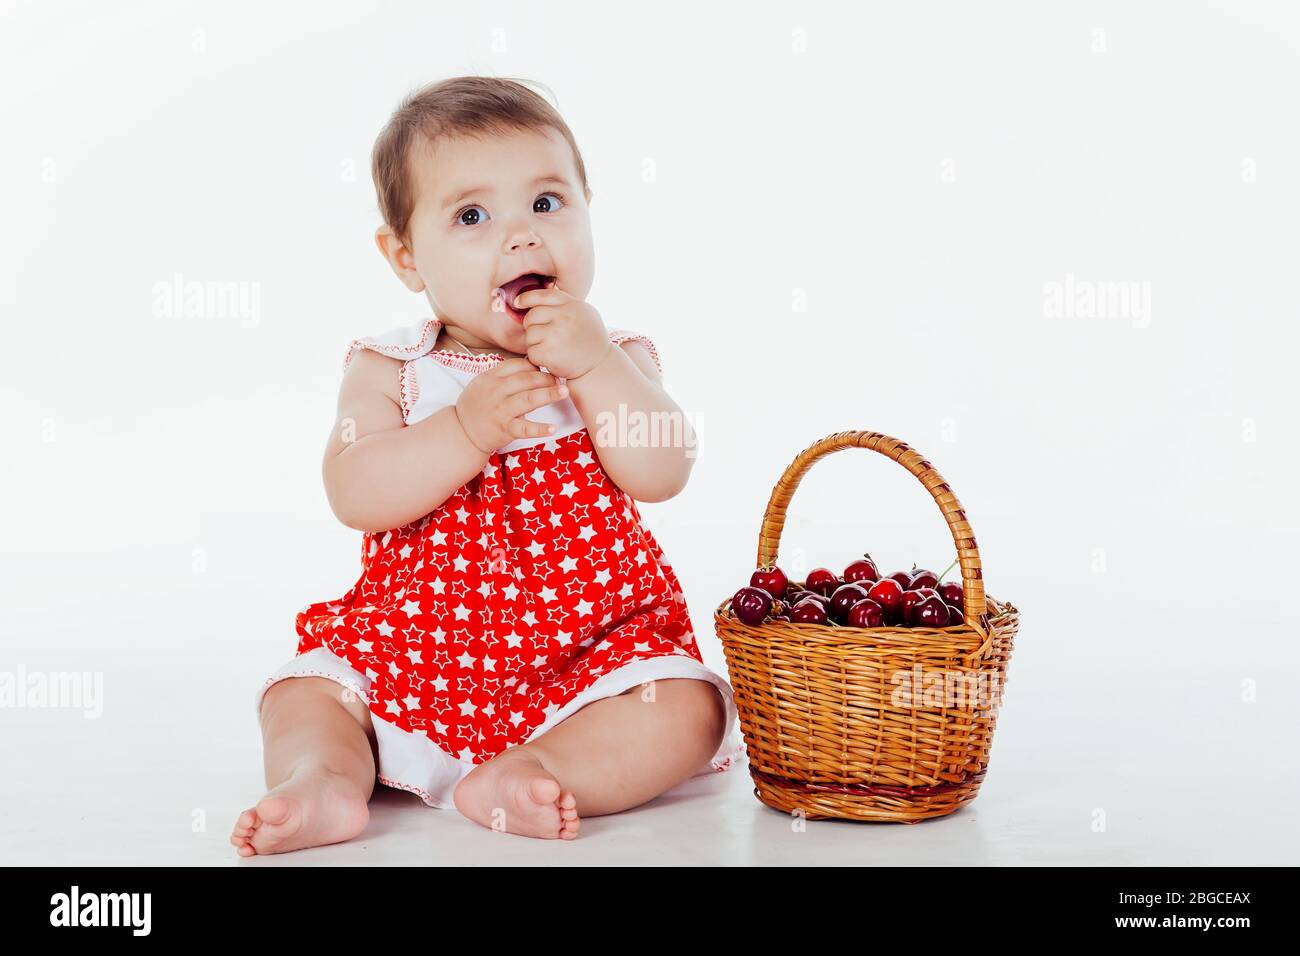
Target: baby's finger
x: 510, y: 367
x: 527, y: 401
x: 535, y: 378
x: 527, y: 428
x: 548, y: 296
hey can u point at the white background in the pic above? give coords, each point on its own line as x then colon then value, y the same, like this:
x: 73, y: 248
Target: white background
x: 827, y: 217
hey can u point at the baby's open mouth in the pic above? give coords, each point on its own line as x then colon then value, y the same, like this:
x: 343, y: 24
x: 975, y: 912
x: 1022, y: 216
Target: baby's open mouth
x: 517, y: 286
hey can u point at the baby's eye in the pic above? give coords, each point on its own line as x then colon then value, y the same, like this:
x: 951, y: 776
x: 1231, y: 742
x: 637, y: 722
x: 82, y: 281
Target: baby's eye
x: 460, y: 216
x: 543, y: 196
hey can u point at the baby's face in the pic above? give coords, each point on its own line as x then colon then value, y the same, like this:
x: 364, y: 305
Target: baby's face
x: 488, y: 210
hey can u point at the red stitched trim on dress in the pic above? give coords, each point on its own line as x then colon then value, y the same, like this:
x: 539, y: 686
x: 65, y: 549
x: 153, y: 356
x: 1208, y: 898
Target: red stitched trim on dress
x: 410, y: 788
x: 334, y: 677
x: 408, y: 384
x: 465, y: 363
x: 403, y: 351
x: 619, y: 336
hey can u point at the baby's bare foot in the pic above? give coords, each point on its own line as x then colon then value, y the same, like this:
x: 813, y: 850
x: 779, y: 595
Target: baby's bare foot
x: 515, y: 792
x: 311, y: 808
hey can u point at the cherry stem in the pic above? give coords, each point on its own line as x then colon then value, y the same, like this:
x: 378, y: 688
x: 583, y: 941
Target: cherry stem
x: 947, y: 569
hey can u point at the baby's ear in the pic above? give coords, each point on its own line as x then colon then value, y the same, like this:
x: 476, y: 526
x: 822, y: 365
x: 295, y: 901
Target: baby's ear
x: 398, y: 257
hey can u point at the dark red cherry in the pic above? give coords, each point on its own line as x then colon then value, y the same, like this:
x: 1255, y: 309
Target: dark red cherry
x: 808, y: 611
x: 821, y: 599
x: 751, y: 605
x: 771, y: 579
x: 931, y: 612
x: 863, y: 569
x: 902, y: 577
x: 866, y: 613
x: 922, y: 578
x: 845, y: 596
x: 912, y: 600
x: 956, y: 616
x: 805, y: 593
x: 950, y: 591
x: 888, y: 593
x: 822, y: 580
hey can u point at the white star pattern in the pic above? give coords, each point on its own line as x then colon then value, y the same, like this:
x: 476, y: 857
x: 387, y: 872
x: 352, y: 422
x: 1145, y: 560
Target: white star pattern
x: 472, y: 623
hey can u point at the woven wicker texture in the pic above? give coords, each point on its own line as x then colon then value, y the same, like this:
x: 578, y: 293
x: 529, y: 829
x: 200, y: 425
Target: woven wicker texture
x: 888, y: 724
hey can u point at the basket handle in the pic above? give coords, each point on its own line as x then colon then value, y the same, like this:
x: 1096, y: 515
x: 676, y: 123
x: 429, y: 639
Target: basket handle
x: 975, y: 608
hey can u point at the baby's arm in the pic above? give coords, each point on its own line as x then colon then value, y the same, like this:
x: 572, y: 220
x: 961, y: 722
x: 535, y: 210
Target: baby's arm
x: 381, y: 473
x: 655, y: 470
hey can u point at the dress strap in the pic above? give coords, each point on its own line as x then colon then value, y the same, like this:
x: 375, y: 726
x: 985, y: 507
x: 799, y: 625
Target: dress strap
x: 619, y: 336
x: 404, y: 342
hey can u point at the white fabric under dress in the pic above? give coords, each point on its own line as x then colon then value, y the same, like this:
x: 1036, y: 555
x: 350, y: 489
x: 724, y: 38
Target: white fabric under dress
x: 430, y: 380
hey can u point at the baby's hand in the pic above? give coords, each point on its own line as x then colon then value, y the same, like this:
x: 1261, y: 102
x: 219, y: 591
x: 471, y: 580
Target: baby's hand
x: 492, y: 406
x: 564, y: 333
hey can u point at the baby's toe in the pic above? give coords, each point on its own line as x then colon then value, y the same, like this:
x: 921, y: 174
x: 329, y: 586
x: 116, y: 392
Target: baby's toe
x: 244, y: 828
x: 544, y: 789
x: 274, y: 810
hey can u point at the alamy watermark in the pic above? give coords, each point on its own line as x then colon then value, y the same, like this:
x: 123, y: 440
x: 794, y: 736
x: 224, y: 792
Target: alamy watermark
x: 44, y: 690
x: 194, y: 299
x: 1092, y: 299
x: 78, y: 908
x: 638, y: 429
x: 946, y: 689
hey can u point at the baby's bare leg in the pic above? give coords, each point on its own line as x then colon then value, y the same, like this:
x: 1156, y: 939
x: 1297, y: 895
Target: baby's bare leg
x: 319, y: 755
x: 316, y: 722
x: 619, y: 752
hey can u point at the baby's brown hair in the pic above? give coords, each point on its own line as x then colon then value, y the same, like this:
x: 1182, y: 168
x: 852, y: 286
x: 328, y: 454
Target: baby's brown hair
x: 461, y: 105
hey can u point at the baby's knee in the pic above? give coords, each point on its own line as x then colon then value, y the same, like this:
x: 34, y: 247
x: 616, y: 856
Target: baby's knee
x: 701, y: 699
x: 299, y: 696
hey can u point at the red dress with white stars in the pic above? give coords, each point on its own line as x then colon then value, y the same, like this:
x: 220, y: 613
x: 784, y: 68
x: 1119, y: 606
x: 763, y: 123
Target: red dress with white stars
x: 533, y: 590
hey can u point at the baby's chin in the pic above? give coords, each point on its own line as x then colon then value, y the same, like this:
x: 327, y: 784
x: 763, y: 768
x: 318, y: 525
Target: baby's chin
x: 503, y: 331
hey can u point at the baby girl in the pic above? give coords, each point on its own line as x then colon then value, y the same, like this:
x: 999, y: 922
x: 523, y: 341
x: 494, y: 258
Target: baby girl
x: 517, y: 646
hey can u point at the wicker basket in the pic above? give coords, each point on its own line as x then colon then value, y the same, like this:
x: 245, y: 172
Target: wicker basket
x: 830, y: 721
